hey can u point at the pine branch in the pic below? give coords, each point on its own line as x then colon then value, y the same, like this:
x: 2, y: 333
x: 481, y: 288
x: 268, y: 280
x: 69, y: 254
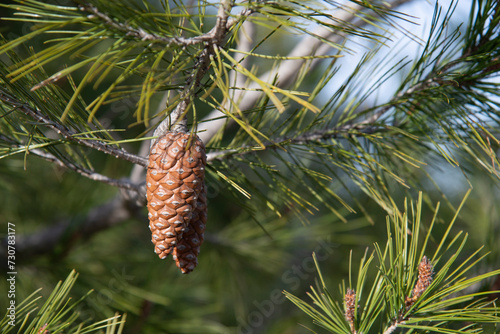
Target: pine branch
x: 66, y: 132
x: 361, y: 129
x: 92, y: 175
x: 145, y: 36
x: 436, y: 302
x: 142, y: 35
x: 311, y: 45
x: 425, y: 275
x: 57, y: 314
x: 177, y: 120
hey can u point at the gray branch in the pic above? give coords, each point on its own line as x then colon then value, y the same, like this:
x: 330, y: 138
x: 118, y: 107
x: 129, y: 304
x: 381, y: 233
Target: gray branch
x: 354, y: 130
x: 67, y: 133
x: 124, y: 184
x: 139, y: 33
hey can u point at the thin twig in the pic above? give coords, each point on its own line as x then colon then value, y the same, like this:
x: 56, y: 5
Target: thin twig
x: 67, y: 133
x: 352, y: 130
x: 124, y: 184
x: 152, y: 37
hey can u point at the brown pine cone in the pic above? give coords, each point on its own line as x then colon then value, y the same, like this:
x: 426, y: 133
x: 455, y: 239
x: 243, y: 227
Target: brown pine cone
x: 176, y: 197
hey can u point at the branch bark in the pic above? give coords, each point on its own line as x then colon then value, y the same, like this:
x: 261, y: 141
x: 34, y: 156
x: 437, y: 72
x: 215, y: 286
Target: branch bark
x: 124, y: 184
x: 147, y: 36
x: 66, y: 132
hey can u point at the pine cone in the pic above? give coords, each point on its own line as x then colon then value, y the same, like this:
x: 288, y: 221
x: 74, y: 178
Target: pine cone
x: 425, y: 272
x: 350, y: 308
x: 177, y: 198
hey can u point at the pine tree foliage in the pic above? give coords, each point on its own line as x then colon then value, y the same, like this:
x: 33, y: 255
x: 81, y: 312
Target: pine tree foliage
x: 163, y: 60
x: 406, y: 291
x: 57, y: 314
x: 445, y: 106
x: 289, y: 135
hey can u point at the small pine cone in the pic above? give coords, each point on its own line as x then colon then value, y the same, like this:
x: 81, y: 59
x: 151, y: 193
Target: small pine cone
x: 175, y: 184
x: 425, y: 272
x: 350, y: 308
